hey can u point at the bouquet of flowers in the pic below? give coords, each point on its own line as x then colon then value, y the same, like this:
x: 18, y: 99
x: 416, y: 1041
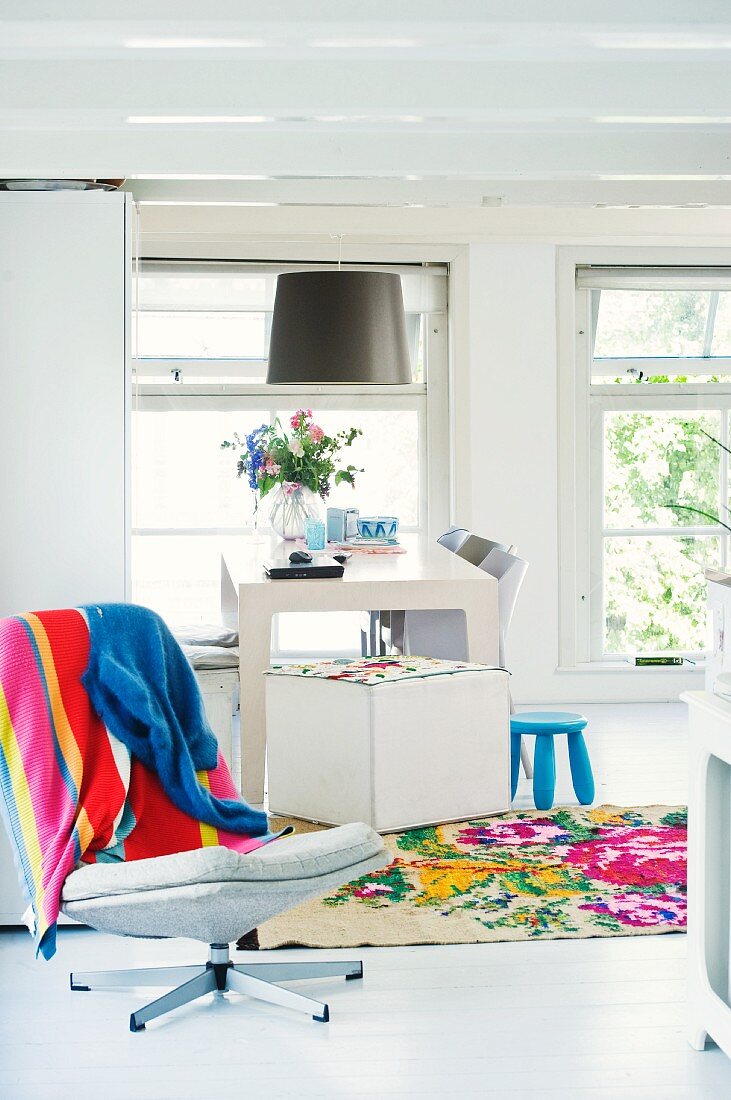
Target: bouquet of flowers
x: 306, y: 456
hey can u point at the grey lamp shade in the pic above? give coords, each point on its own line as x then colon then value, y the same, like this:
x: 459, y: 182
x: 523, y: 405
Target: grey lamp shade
x: 339, y: 327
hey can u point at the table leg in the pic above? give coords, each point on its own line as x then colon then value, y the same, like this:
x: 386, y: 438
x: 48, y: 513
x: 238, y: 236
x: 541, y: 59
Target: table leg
x: 229, y: 598
x: 255, y: 634
x: 481, y: 618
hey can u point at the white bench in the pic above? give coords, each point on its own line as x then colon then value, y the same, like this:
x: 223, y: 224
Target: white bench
x: 211, y: 650
x: 220, y: 689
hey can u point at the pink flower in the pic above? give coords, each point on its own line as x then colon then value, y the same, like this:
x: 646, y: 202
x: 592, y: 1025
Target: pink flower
x: 316, y: 433
x: 642, y: 910
x: 271, y: 468
x: 372, y: 891
x: 300, y: 418
x: 627, y: 856
x: 520, y: 833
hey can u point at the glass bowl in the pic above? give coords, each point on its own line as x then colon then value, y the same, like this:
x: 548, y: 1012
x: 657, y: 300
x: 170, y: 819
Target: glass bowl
x: 377, y: 527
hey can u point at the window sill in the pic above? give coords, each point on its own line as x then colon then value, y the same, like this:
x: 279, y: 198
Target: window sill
x: 614, y: 667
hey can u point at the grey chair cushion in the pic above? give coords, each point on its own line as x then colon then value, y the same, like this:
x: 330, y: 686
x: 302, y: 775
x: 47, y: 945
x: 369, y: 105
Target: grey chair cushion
x: 206, y: 634
x: 212, y: 912
x: 310, y: 855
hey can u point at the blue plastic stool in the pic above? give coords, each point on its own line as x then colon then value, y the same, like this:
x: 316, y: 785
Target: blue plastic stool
x: 543, y: 725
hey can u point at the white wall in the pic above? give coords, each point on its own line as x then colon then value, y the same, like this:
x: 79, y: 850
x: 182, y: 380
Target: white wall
x: 64, y: 380
x: 513, y: 436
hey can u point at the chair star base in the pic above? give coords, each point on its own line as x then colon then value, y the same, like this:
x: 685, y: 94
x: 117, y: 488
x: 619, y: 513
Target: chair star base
x: 221, y: 975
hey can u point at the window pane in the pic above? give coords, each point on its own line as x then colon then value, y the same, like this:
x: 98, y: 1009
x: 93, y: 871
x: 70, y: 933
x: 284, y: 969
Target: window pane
x: 628, y: 378
x: 219, y: 335
x: 638, y: 323
x: 335, y: 633
x: 721, y: 343
x: 181, y: 476
x: 652, y: 460
x: 198, y: 335
x: 179, y: 576
x: 655, y: 594
x: 388, y: 453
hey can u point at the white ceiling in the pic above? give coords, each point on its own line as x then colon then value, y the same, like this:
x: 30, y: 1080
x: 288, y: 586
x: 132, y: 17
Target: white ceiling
x: 456, y: 102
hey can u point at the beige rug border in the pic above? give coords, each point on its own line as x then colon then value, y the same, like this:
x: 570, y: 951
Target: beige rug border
x: 312, y: 925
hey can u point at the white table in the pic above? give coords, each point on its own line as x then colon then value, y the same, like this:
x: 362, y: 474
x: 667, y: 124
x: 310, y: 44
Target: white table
x: 709, y: 870
x: 426, y: 577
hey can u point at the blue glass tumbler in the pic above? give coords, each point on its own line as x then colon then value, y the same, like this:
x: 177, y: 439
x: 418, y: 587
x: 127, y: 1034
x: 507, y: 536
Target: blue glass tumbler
x: 314, y: 533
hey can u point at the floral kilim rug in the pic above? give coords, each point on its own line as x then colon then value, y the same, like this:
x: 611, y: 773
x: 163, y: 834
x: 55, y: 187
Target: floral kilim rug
x: 530, y: 875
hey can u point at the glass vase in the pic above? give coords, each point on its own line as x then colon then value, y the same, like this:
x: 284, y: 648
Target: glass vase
x: 291, y: 504
x: 256, y: 535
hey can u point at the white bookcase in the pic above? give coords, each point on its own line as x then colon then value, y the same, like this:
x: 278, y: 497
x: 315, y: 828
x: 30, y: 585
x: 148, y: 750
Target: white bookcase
x: 65, y: 309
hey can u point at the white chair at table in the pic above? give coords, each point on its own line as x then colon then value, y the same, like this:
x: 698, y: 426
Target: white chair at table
x: 443, y: 634
x: 473, y: 548
x: 454, y: 538
x: 383, y: 631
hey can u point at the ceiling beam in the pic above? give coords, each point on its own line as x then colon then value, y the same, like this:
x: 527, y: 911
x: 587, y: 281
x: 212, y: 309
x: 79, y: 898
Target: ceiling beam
x: 604, y: 13
x: 194, y: 87
x: 434, y: 192
x: 167, y: 231
x: 701, y: 155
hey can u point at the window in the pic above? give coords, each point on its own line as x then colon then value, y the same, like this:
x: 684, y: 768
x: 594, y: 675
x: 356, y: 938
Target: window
x: 206, y: 321
x: 656, y: 384
x: 202, y: 340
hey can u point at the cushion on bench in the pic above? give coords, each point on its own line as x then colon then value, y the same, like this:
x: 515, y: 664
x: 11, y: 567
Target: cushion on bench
x: 211, y: 656
x: 206, y: 634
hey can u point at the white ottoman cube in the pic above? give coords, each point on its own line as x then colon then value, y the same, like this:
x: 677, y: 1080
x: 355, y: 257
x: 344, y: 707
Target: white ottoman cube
x: 397, y: 742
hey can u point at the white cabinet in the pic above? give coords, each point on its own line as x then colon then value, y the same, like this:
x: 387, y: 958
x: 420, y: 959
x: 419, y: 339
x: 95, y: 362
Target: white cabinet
x: 65, y: 304
x: 64, y: 398
x: 719, y: 603
x: 709, y: 870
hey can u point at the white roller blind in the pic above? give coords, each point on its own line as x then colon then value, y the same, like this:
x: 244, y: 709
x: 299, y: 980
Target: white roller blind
x: 654, y: 278
x: 216, y: 286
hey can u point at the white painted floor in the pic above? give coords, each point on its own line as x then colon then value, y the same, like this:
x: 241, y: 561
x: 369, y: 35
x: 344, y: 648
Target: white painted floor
x: 595, y: 1018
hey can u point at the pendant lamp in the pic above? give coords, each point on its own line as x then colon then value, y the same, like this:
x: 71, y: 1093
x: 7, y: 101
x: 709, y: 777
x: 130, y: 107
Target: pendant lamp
x: 339, y: 328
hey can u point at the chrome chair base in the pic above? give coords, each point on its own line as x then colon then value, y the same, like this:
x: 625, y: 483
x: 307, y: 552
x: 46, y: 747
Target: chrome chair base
x: 221, y: 975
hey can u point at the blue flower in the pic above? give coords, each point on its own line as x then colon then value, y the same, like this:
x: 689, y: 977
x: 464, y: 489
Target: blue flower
x: 255, y: 453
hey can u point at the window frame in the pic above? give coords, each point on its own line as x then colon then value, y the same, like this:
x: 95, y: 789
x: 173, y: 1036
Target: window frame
x: 429, y: 399
x: 599, y: 405
x: 581, y: 405
x: 420, y: 280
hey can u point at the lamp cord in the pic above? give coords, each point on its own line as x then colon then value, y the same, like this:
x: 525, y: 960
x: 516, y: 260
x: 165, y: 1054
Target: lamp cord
x: 340, y: 246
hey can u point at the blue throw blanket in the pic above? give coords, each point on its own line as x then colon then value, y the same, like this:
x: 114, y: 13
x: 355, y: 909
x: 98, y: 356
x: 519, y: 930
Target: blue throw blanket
x: 146, y: 693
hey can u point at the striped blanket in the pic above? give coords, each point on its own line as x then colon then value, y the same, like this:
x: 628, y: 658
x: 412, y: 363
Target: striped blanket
x: 71, y: 791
